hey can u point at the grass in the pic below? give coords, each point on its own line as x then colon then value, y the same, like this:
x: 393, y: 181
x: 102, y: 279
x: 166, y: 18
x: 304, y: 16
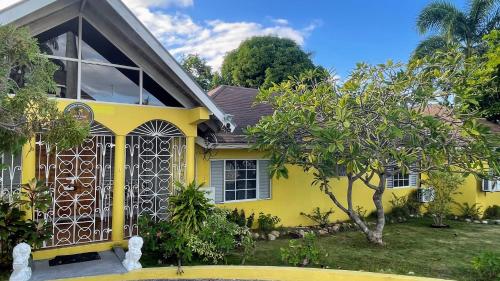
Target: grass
x: 410, y: 247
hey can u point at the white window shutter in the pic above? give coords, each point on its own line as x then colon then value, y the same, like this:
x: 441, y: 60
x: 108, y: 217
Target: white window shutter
x: 264, y: 180
x: 217, y: 179
x: 414, y: 175
x: 390, y: 179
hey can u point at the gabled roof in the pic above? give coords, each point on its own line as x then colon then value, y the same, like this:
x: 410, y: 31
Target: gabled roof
x: 29, y: 11
x: 241, y: 104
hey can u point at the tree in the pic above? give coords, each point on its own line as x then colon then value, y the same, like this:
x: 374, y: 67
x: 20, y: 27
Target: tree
x: 445, y: 185
x: 199, y: 69
x: 375, y: 125
x: 455, y: 26
x: 25, y: 109
x: 488, y: 78
x: 261, y: 61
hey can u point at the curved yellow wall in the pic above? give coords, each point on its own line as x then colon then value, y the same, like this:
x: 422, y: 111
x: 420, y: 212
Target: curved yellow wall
x: 252, y: 273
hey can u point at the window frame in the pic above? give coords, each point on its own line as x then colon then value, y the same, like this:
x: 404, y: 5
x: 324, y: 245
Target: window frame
x: 79, y: 61
x: 400, y: 179
x: 257, y: 185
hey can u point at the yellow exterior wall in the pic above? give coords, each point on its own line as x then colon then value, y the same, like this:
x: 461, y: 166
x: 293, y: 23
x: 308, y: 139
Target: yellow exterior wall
x: 121, y: 119
x: 291, y: 196
x: 295, y: 194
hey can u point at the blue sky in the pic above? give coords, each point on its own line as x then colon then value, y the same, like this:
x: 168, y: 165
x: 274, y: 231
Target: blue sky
x: 337, y: 33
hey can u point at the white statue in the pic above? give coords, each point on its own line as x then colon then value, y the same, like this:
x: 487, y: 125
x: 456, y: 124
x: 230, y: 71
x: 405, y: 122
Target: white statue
x: 133, y: 254
x: 21, y: 255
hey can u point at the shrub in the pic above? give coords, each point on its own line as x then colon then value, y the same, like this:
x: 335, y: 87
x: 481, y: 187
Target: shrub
x: 445, y: 185
x: 492, y: 212
x: 240, y: 218
x: 320, y: 218
x: 487, y: 266
x: 163, y: 240
x: 404, y: 206
x: 14, y: 228
x: 189, y: 207
x: 302, y: 252
x: 470, y: 211
x: 218, y: 236
x: 267, y: 222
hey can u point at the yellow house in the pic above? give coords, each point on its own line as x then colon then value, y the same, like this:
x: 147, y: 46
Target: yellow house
x: 152, y: 125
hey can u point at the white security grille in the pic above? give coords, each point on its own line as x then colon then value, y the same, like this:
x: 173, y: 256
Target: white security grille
x: 155, y: 160
x: 10, y: 175
x: 81, y: 183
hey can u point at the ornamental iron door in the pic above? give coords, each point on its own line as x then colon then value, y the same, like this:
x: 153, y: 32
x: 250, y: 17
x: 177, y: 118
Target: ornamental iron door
x: 81, y: 182
x: 155, y: 161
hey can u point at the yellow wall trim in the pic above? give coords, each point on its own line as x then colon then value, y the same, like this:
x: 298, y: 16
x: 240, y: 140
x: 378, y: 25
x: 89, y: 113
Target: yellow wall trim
x: 91, y: 247
x: 253, y: 273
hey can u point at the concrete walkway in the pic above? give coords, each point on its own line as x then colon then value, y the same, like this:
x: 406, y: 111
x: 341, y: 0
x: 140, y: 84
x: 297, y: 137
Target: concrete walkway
x: 108, y: 264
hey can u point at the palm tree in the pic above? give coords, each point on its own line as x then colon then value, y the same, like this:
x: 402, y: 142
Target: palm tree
x: 450, y: 25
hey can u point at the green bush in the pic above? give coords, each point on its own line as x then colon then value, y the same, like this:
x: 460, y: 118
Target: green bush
x: 15, y: 228
x: 487, y: 266
x: 240, y: 218
x: 267, y: 222
x: 467, y: 211
x: 189, y: 207
x: 218, y: 236
x: 492, y: 212
x: 302, y: 252
x: 404, y: 206
x: 445, y: 185
x: 320, y: 218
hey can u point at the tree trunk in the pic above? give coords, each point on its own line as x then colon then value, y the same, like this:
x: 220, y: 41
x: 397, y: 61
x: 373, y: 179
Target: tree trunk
x: 373, y: 236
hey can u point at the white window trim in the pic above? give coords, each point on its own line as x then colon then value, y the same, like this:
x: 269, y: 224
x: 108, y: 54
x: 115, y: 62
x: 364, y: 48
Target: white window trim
x: 257, y: 185
x: 257, y: 179
x: 406, y: 186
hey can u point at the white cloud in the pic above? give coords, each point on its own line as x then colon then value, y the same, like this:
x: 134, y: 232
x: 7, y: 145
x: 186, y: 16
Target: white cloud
x: 280, y: 21
x: 212, y: 39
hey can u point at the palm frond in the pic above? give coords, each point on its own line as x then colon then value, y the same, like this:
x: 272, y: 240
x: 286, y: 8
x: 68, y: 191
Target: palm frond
x: 489, y: 23
x: 430, y: 45
x: 479, y: 10
x: 438, y: 16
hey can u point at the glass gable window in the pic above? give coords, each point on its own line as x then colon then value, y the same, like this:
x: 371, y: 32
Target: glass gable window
x: 60, y: 41
x: 97, y: 70
x: 240, y: 180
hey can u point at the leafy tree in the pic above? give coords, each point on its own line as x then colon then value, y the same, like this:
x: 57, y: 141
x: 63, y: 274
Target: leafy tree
x: 263, y: 60
x: 488, y: 78
x: 455, y: 26
x: 199, y: 69
x: 25, y: 110
x: 375, y: 125
x: 445, y: 185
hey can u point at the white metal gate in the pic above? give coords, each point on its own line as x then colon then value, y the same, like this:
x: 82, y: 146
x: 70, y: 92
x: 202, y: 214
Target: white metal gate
x: 10, y: 175
x: 155, y: 160
x: 81, y: 183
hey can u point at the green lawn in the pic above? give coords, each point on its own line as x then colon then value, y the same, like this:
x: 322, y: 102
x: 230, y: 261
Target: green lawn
x: 410, y: 247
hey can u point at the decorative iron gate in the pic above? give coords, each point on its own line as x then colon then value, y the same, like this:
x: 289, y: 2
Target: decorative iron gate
x: 81, y: 183
x: 10, y: 175
x: 155, y: 160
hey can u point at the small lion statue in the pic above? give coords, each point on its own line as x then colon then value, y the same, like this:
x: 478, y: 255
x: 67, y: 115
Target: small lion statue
x: 131, y: 261
x: 21, y: 255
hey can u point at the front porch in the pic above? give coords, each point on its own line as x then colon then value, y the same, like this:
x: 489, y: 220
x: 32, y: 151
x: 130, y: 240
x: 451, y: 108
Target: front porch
x: 127, y: 168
